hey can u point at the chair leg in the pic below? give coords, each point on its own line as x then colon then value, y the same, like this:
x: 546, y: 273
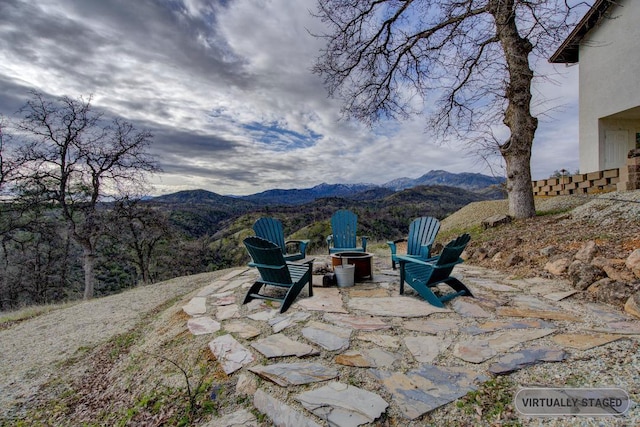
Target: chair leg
x: 291, y: 296
x: 253, y: 290
x: 425, y: 292
x: 458, y: 286
x: 310, y: 263
x: 393, y: 265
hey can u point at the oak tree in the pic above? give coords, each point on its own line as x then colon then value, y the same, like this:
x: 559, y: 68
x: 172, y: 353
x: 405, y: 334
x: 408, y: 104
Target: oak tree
x: 467, y: 64
x: 74, y: 160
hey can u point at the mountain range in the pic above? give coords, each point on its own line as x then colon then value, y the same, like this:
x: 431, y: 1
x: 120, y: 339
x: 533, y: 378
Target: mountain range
x: 437, y: 193
x: 468, y: 181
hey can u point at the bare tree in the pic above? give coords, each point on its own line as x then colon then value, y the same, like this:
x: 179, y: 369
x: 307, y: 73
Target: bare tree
x: 142, y: 229
x: 471, y: 57
x: 71, y: 158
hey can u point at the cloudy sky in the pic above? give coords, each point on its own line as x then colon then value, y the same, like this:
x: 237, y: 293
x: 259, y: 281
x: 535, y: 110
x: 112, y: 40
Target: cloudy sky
x: 225, y: 88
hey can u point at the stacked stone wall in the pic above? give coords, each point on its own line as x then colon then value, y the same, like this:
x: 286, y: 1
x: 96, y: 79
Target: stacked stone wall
x: 581, y: 183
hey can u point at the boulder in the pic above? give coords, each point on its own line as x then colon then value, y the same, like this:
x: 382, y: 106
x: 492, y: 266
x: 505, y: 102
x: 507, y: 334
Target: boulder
x: 587, y: 251
x: 496, y: 220
x: 633, y: 262
x: 582, y: 275
x: 513, y: 259
x: 632, y: 306
x: 615, y: 268
x: 558, y: 266
x: 481, y: 253
x: 609, y: 291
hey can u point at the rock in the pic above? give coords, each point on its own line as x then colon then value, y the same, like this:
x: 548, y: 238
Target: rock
x: 632, y: 306
x: 202, y: 325
x: 510, y: 245
x: 196, y: 306
x: 633, y: 262
x: 246, y: 385
x: 584, y: 341
x: 549, y: 251
x: 343, y: 405
x: 610, y: 291
x: 583, y: 275
x: 279, y: 412
x: 241, y: 418
x: 427, y: 387
x: 515, y: 361
x: 279, y: 345
x: 497, y: 257
x: 230, y: 353
x: 492, y: 251
x: 558, y: 266
x: 287, y: 374
x: 587, y: 251
x: 513, y: 259
x: 481, y: 253
x: 496, y: 220
x: 615, y: 269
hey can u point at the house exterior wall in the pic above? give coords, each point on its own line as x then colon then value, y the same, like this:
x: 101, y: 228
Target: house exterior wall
x: 609, y: 83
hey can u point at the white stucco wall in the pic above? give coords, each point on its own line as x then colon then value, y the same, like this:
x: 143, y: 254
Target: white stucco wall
x: 609, y: 82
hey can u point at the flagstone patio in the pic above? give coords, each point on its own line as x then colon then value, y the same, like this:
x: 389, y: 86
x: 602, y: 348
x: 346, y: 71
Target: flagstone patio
x: 346, y: 355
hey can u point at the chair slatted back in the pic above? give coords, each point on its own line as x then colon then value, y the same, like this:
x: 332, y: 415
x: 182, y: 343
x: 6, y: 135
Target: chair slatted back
x: 270, y: 229
x: 343, y: 227
x: 449, y: 257
x: 422, y: 232
x: 268, y: 259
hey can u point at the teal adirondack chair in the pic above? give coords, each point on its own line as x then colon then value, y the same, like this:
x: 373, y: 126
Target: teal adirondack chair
x: 275, y: 271
x: 422, y: 234
x: 422, y: 275
x: 344, y: 239
x: 271, y: 229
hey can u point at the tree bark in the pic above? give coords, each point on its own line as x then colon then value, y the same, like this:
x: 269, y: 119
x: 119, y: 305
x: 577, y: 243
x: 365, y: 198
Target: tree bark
x: 89, y: 259
x: 518, y: 118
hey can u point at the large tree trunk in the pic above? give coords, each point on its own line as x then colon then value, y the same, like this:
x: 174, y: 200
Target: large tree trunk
x: 89, y: 259
x: 517, y: 150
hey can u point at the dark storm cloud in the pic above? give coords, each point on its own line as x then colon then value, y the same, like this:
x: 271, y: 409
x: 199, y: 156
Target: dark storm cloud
x: 224, y: 86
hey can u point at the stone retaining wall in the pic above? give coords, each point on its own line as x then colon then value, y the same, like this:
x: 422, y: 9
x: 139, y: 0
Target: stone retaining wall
x: 581, y: 183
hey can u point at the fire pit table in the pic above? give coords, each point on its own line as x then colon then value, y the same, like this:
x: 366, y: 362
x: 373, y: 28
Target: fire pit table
x: 362, y: 261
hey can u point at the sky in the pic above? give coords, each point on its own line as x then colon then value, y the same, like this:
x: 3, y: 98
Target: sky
x: 226, y: 89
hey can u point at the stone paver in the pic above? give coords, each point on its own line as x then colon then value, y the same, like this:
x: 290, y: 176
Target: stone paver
x: 286, y: 374
x: 521, y: 359
x: 400, y: 306
x: 329, y: 337
x: 584, y: 341
x: 479, y: 349
x: 280, y: 345
x: 426, y: 388
x: 362, y: 323
x: 230, y: 353
x: 202, y: 325
x: 343, y: 405
x: 280, y: 413
x: 368, y: 358
x: 197, y: 305
x: 407, y: 347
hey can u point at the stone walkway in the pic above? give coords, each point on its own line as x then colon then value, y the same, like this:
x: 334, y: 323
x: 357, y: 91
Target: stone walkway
x: 406, y: 356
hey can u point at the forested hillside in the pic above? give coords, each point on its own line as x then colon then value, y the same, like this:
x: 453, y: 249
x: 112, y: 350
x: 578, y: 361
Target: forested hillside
x: 145, y: 241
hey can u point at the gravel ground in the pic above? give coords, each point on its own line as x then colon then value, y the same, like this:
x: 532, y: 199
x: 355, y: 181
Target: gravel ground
x: 33, y: 350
